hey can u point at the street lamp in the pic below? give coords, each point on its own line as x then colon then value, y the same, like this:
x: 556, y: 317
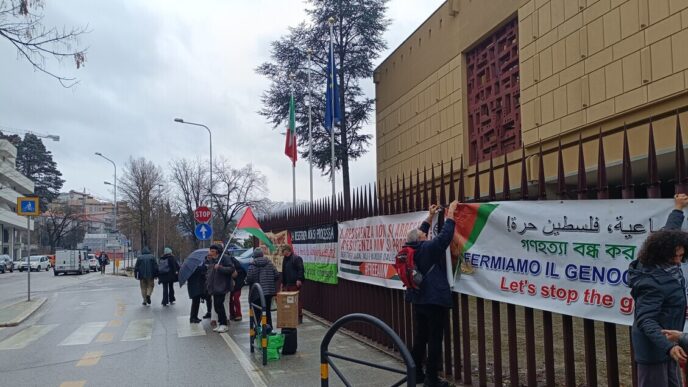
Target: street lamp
x: 157, y: 236
x: 115, y: 225
x: 113, y: 184
x: 181, y: 121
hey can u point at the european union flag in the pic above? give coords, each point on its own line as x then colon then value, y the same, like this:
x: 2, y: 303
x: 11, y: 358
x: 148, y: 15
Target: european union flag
x: 332, y: 108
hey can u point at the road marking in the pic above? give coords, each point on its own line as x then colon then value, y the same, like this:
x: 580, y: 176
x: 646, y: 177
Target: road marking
x: 251, y: 371
x: 90, y: 359
x: 105, y: 338
x: 139, y: 330
x: 84, y: 334
x: 74, y: 383
x: 26, y: 337
x: 121, y: 308
x: 186, y: 329
x: 114, y: 323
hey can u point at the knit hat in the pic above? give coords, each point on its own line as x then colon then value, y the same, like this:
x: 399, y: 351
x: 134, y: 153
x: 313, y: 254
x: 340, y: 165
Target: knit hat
x: 257, y: 253
x: 167, y: 251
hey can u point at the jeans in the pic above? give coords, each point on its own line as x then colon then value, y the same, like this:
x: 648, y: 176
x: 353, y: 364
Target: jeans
x: 168, y: 293
x: 218, y: 303
x: 268, y: 313
x: 147, y: 286
x: 196, y: 303
x: 428, y: 324
x: 102, y: 269
x: 235, y: 304
x: 661, y: 374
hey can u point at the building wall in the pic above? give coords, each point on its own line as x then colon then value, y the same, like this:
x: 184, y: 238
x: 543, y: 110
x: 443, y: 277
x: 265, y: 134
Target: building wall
x: 585, y: 66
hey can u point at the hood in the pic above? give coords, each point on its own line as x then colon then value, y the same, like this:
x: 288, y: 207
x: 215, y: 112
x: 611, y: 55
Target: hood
x: 145, y: 250
x: 638, y: 272
x: 260, y: 261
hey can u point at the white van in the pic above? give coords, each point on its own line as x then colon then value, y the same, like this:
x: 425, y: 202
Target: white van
x: 71, y: 261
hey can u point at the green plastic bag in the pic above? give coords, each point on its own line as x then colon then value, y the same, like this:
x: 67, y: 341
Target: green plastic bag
x: 273, y: 354
x: 276, y: 341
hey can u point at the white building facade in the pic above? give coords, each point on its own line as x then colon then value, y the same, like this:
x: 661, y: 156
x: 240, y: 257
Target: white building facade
x: 12, y: 185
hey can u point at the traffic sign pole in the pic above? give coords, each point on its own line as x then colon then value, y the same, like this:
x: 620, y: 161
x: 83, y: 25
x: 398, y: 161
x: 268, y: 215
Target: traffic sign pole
x: 28, y: 256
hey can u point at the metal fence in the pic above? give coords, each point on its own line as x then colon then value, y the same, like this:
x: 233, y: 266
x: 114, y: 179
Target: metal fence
x: 514, y: 352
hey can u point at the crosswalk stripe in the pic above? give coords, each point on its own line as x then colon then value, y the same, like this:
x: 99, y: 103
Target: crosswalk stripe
x: 104, y: 338
x: 139, y: 330
x: 26, y: 336
x: 90, y: 359
x: 84, y: 334
x: 186, y: 329
x: 76, y: 383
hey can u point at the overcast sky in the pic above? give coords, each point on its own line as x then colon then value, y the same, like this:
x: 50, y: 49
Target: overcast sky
x: 150, y: 61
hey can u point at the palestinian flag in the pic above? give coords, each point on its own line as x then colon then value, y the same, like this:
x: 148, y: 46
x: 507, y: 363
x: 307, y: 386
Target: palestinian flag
x: 290, y: 148
x: 470, y: 219
x: 249, y: 224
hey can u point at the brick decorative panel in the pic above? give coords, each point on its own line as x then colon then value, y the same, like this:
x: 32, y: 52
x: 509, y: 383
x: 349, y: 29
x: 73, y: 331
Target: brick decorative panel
x: 494, y: 108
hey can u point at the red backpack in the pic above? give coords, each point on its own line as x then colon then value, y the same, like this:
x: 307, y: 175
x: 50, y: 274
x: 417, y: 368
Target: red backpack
x: 406, y: 268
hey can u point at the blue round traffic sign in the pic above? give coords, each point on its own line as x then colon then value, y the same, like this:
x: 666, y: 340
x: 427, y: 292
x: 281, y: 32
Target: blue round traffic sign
x: 203, y: 232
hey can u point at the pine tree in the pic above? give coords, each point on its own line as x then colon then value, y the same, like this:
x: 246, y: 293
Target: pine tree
x: 358, y: 29
x: 36, y: 162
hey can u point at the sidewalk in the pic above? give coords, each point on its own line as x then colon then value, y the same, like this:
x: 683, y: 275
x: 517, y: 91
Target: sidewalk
x: 303, y: 368
x: 13, y: 314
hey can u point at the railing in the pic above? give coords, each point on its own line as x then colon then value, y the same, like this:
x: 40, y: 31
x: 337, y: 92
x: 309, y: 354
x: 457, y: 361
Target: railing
x: 253, y: 321
x: 552, y: 349
x: 325, y: 354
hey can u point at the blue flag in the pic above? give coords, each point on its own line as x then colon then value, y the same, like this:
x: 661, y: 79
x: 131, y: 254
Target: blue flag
x: 332, y: 94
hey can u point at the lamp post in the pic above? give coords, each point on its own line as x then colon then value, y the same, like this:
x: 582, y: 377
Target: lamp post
x: 114, y: 184
x: 115, y: 214
x: 210, y: 134
x: 157, y: 234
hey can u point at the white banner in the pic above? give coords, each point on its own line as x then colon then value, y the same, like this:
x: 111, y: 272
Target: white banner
x: 567, y: 257
x: 367, y: 247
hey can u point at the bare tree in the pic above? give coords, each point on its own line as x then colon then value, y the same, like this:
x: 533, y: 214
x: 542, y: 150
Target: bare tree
x: 21, y: 23
x: 139, y: 186
x: 59, y: 221
x: 235, y: 190
x: 190, y: 180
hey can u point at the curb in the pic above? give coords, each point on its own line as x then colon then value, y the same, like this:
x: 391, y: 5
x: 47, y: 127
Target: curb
x: 19, y: 319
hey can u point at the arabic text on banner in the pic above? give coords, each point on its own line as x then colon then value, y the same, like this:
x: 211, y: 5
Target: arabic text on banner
x: 317, y: 247
x: 567, y: 257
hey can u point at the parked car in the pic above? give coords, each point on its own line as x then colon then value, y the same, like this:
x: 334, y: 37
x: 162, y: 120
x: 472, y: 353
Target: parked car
x: 38, y: 263
x: 7, y: 260
x: 2, y: 267
x: 245, y: 258
x: 93, y: 264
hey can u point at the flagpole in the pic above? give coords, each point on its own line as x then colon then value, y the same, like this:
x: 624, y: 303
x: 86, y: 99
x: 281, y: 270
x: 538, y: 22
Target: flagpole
x: 310, y: 129
x: 293, y: 161
x: 330, y: 21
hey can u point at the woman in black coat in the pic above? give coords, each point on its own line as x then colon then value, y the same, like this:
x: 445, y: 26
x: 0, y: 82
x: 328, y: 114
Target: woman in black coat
x: 168, y: 270
x: 196, y: 286
x: 658, y: 289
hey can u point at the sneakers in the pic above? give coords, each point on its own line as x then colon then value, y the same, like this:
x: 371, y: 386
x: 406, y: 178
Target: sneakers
x: 221, y: 329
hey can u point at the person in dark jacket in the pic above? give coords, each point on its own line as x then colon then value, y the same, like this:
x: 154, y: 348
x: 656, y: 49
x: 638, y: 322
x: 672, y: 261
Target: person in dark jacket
x: 103, y: 261
x: 168, y: 270
x: 292, y: 274
x: 145, y: 270
x: 262, y: 271
x: 219, y: 283
x: 235, y: 295
x: 658, y: 290
x: 433, y: 299
x: 196, y: 287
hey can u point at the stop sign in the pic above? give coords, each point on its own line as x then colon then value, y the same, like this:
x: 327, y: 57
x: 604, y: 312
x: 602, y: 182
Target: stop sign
x: 202, y: 214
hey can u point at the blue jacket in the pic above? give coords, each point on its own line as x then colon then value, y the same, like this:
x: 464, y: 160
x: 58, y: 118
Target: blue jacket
x: 434, y: 290
x: 660, y: 303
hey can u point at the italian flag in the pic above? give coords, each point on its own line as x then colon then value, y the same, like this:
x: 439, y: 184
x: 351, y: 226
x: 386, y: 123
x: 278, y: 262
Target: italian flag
x: 290, y: 146
x: 249, y: 224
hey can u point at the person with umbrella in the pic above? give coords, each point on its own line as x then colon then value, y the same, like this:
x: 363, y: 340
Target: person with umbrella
x: 194, y: 271
x: 219, y: 282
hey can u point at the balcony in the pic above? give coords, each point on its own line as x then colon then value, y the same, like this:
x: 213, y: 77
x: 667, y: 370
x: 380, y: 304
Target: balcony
x: 9, y: 176
x: 9, y: 218
x: 7, y: 150
x: 8, y: 196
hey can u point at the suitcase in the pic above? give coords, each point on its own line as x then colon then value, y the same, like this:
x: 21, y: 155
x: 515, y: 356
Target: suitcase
x: 290, y: 341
